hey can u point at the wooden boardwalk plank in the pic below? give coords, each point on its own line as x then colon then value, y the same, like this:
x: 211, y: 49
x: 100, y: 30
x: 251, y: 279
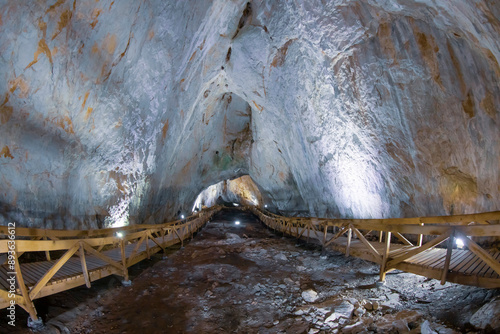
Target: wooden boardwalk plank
x: 459, y: 267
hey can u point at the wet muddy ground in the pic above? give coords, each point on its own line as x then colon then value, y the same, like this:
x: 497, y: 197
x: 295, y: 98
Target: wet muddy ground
x: 246, y: 279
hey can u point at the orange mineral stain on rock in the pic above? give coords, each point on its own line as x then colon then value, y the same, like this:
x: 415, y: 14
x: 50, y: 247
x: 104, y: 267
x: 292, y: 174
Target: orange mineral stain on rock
x: 109, y: 43
x: 260, y: 108
x: 85, y: 99
x: 488, y: 105
x: 84, y: 78
x: 164, y: 130
x: 282, y: 176
x: 458, y: 70
x: 66, y: 124
x: 20, y: 83
x: 385, y: 40
x: 428, y: 49
x: 95, y: 48
x: 5, y: 152
x: 64, y: 20
x: 5, y: 113
x: 42, y: 48
x: 279, y: 58
x: 95, y: 14
x: 192, y: 56
x: 468, y: 105
x: 119, y: 178
x: 43, y: 27
x: 54, y: 6
x: 151, y: 34
x: 493, y: 61
x: 88, y: 113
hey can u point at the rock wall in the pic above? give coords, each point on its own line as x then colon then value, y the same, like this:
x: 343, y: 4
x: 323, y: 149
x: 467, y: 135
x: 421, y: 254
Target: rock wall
x: 115, y: 112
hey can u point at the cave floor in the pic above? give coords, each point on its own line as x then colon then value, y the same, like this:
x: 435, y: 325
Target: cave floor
x: 246, y: 279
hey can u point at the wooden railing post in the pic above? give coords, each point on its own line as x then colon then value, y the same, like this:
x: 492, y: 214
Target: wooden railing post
x: 349, y: 237
x: 84, y: 265
x: 47, y: 253
x: 448, y: 257
x: 124, y: 262
x: 385, y: 256
x: 420, y: 237
x: 324, y: 235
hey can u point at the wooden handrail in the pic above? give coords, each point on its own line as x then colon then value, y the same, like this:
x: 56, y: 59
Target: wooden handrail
x: 60, y: 233
x: 440, y: 228
x: 79, y: 242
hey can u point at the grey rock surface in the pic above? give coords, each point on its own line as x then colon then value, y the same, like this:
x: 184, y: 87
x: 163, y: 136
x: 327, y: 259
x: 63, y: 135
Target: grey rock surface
x: 489, y: 314
x: 119, y: 112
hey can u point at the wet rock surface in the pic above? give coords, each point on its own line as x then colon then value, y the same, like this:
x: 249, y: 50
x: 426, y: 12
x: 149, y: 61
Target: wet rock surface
x: 235, y: 279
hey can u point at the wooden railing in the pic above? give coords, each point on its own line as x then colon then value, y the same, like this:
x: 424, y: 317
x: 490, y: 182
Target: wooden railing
x: 476, y: 266
x: 116, y: 248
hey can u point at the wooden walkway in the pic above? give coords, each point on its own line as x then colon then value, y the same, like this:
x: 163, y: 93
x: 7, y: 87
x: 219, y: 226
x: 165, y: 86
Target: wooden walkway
x: 423, y: 246
x: 87, y: 255
x: 438, y: 257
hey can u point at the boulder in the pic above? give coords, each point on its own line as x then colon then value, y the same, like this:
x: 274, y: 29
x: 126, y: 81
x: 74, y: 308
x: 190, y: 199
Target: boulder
x: 489, y: 314
x: 310, y: 296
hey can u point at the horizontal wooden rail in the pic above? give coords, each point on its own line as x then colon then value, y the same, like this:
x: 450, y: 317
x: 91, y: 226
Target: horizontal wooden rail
x: 433, y: 257
x: 88, y: 255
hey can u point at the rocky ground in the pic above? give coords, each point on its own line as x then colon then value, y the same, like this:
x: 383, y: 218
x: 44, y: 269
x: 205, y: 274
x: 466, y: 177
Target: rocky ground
x: 246, y: 279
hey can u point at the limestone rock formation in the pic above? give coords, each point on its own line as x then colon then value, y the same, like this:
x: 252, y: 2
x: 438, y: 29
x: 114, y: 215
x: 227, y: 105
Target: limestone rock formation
x: 118, y: 112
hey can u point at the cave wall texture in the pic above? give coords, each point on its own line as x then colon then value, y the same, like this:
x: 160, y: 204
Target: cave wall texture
x: 118, y: 112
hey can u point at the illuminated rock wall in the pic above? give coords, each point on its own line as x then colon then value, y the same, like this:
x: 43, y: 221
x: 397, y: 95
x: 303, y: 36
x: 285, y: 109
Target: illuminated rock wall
x: 115, y: 112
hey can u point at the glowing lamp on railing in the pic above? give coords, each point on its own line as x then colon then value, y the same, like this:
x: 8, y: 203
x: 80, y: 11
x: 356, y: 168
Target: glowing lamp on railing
x: 119, y: 234
x: 182, y: 216
x: 237, y: 223
x: 265, y: 206
x: 235, y: 204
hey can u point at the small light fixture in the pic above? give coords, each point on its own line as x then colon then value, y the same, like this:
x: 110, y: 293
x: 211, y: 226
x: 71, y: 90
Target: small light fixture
x: 236, y: 204
x: 460, y: 243
x: 119, y: 234
x: 237, y: 223
x: 265, y: 206
x: 182, y: 216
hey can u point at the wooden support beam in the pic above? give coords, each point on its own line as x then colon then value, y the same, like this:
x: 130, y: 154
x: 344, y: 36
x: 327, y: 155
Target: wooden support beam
x: 156, y: 242
x: 480, y: 252
x: 84, y: 265
x: 415, y: 251
x: 368, y: 245
x: 402, y: 238
x: 53, y: 270
x: 385, y: 256
x: 448, y: 258
x: 27, y: 300
x: 178, y: 236
x: 134, y: 251
x: 336, y: 236
x: 101, y: 256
